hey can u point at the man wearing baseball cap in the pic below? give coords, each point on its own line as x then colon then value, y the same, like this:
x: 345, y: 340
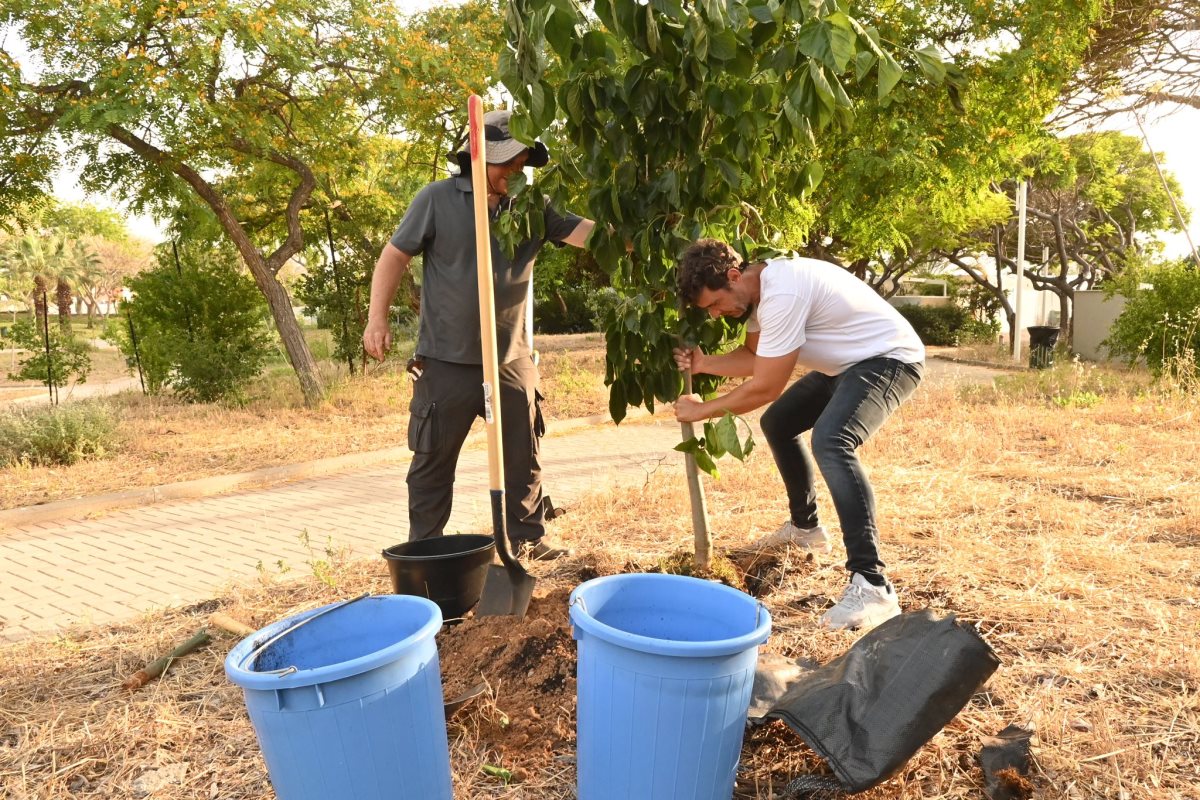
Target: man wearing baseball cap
x: 439, y: 225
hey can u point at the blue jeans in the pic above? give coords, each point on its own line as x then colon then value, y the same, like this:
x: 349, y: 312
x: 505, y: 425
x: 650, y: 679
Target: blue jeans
x: 842, y: 412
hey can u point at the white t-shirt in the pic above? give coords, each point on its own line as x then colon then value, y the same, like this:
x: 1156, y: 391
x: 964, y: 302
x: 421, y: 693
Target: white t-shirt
x: 831, y: 317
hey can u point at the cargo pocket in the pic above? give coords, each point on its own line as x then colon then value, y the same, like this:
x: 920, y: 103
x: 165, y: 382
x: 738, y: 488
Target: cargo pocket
x: 539, y: 422
x: 422, y: 428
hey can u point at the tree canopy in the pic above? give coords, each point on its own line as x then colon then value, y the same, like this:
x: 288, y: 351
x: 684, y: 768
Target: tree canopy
x: 254, y: 111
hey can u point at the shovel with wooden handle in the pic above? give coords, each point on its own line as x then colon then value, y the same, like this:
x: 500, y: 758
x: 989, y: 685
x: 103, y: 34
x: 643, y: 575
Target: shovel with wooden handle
x: 508, y: 588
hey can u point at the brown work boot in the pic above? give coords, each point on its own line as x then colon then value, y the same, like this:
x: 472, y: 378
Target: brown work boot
x: 542, y: 550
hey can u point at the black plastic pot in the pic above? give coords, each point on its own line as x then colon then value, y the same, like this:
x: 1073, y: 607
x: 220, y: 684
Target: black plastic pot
x: 449, y: 570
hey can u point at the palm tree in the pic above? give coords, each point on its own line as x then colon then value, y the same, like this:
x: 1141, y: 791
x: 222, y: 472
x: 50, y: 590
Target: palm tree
x: 37, y: 258
x: 77, y: 264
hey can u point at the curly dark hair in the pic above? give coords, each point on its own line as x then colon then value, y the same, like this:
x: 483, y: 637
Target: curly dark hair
x: 705, y: 265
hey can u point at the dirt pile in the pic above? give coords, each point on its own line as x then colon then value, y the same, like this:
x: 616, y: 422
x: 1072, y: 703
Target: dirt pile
x: 527, y: 713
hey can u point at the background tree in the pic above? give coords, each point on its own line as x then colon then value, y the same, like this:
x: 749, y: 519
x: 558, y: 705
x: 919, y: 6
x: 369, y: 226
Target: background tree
x: 200, y: 323
x: 1160, y: 324
x: 1096, y: 205
x: 252, y: 110
x: 1141, y: 53
x: 35, y: 260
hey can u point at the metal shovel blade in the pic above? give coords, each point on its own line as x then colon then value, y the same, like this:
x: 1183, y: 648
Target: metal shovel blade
x: 507, y: 592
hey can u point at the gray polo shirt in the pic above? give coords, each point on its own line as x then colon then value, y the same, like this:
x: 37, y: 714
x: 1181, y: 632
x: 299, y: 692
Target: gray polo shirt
x: 440, y: 223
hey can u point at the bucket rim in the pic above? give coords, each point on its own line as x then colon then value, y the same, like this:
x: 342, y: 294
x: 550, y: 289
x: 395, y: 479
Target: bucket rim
x: 252, y: 679
x: 583, y: 620
x: 490, y: 543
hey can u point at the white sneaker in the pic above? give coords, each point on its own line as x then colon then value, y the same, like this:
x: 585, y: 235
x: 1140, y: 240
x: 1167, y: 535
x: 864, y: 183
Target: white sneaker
x: 816, y: 539
x: 863, y: 605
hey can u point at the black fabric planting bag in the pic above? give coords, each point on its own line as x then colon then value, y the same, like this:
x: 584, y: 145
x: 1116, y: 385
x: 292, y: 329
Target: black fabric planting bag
x: 870, y: 709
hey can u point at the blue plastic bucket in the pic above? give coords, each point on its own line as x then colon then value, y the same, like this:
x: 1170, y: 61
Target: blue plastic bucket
x: 666, y: 665
x: 349, y: 706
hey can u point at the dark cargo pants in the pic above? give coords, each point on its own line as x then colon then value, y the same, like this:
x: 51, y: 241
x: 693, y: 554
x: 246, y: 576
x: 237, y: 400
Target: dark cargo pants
x: 842, y: 412
x: 446, y: 400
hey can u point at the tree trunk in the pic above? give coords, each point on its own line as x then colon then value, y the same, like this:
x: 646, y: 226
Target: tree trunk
x: 1066, y: 319
x: 39, y: 299
x: 700, y: 529
x: 62, y: 297
x: 294, y: 343
x: 262, y: 269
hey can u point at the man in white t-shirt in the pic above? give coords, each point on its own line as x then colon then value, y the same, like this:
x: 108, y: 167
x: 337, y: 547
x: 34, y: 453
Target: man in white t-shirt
x: 864, y: 361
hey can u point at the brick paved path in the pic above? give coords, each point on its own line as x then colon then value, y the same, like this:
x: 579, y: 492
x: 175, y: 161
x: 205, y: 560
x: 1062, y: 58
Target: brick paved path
x: 126, y: 562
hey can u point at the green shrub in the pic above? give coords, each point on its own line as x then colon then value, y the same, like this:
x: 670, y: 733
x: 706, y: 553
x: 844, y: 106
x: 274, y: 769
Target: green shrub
x: 201, y: 328
x: 55, y: 436
x: 600, y: 303
x: 567, y: 310
x: 147, y: 357
x: 338, y: 299
x: 975, y: 331
x: 70, y: 357
x: 948, y: 325
x: 936, y: 325
x: 1161, y: 325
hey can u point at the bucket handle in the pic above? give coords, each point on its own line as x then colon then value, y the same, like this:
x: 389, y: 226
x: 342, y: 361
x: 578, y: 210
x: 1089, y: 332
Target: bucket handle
x: 252, y: 658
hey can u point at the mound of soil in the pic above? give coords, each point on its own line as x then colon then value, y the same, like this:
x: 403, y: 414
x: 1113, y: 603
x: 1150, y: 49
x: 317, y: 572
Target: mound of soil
x: 529, y: 664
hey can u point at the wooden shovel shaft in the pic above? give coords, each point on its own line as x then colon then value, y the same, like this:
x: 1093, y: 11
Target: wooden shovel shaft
x: 487, y: 296
x: 228, y: 623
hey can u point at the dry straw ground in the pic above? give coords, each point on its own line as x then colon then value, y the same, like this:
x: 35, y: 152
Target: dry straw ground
x: 1061, y: 514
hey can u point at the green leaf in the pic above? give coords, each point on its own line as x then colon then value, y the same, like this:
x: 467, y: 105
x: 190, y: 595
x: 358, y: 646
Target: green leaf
x: 727, y: 435
x: 813, y: 173
x: 724, y: 45
x: 537, y: 102
x: 595, y: 44
x: 704, y: 461
x: 712, y: 440
x: 497, y: 772
x: 784, y: 59
x: 699, y: 34
x: 821, y: 84
x: 863, y: 63
x: 794, y: 117
x: 691, y: 446
x: 889, y: 75
x: 672, y: 8
x: 651, y: 30
x: 575, y: 101
x: 616, y: 400
x: 841, y: 40
x: 762, y: 13
x: 813, y: 41
x: 931, y: 63
x: 729, y: 173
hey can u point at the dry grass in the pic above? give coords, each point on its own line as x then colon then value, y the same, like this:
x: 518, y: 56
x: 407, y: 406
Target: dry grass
x: 1068, y: 533
x: 164, y: 440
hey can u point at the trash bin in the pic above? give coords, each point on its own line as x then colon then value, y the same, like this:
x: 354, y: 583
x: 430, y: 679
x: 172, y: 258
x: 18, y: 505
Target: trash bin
x: 666, y: 667
x: 1042, y: 339
x: 346, y: 701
